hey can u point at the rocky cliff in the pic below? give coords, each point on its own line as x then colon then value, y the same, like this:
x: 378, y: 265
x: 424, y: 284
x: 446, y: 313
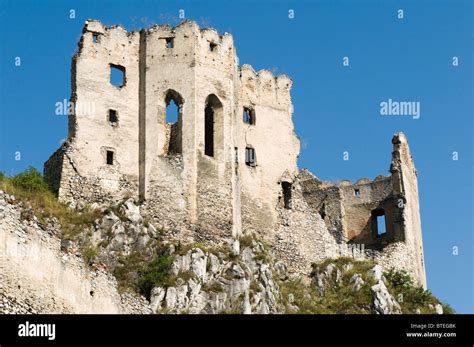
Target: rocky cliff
x: 113, y: 260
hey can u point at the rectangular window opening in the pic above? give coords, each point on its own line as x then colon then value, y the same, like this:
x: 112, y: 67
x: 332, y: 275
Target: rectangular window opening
x: 113, y: 117
x: 250, y: 157
x: 117, y: 75
x: 249, y: 116
x: 169, y: 42
x: 95, y: 38
x: 378, y: 222
x: 357, y: 192
x: 110, y: 158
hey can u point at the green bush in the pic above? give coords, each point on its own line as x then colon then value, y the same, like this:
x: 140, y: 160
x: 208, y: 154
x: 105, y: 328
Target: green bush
x: 399, y: 278
x: 141, y: 273
x: 155, y: 274
x: 411, y: 297
x: 30, y: 180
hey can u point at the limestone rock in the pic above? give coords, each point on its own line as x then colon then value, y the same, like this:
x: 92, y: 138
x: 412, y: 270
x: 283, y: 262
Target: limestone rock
x: 384, y: 303
x: 131, y: 211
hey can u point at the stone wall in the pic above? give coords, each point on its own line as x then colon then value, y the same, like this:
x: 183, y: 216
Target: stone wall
x: 218, y: 194
x: 215, y: 194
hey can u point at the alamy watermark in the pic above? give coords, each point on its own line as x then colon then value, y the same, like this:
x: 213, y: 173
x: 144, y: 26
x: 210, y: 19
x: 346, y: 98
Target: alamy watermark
x: 400, y: 108
x: 37, y: 330
x: 65, y: 107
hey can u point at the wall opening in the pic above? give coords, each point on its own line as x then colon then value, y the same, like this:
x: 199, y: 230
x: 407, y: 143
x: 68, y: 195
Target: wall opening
x: 169, y: 42
x: 249, y: 116
x: 110, y: 158
x: 173, y: 118
x: 209, y: 131
x: 357, y: 192
x: 287, y: 190
x: 95, y: 37
x: 117, y: 75
x: 212, y: 46
x: 250, y: 157
x: 379, y: 226
x: 113, y: 117
x: 213, y: 126
x: 172, y: 110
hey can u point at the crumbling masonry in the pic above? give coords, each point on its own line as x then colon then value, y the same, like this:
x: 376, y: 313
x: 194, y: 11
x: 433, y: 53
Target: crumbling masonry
x: 227, y: 165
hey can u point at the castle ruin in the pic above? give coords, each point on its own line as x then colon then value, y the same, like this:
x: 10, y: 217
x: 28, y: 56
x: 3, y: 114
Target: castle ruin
x: 227, y: 165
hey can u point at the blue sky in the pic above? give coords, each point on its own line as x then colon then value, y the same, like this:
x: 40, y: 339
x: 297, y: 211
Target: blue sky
x: 337, y: 108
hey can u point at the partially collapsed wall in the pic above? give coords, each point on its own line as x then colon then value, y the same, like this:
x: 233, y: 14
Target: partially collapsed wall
x: 227, y: 164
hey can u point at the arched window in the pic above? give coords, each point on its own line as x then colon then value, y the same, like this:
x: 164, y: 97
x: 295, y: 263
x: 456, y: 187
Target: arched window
x: 173, y: 117
x: 212, y: 125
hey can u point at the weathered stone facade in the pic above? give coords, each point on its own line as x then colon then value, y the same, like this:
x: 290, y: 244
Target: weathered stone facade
x: 228, y: 165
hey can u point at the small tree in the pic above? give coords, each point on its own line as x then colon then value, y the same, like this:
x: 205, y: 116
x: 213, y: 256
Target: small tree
x: 30, y: 180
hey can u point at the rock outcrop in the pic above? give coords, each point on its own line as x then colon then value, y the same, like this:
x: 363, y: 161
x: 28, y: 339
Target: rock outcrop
x: 45, y: 270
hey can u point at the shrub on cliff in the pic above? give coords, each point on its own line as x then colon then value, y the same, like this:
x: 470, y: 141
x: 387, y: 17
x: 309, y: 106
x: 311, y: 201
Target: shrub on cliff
x: 411, y: 297
x: 30, y: 180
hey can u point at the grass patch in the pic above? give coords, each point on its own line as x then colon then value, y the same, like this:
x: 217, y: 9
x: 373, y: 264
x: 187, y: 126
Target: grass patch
x: 411, y: 297
x: 141, y: 273
x: 89, y: 253
x: 30, y: 188
x: 213, y: 286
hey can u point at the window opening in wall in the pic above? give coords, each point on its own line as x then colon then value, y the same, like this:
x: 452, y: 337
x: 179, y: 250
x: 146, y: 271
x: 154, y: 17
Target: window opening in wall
x: 236, y: 153
x: 378, y: 222
x: 209, y: 131
x: 113, y: 117
x: 249, y: 116
x: 95, y: 37
x: 173, y: 118
x: 110, y: 158
x: 250, y: 157
x: 169, y: 42
x: 213, y: 127
x: 172, y: 112
x: 212, y: 46
x: 357, y: 192
x: 286, y: 187
x: 117, y: 75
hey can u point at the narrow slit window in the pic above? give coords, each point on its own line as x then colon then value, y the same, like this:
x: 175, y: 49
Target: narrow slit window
x: 209, y: 131
x: 236, y: 152
x: 249, y: 116
x: 117, y: 75
x: 110, y: 158
x: 250, y: 157
x: 95, y: 38
x: 169, y: 42
x: 286, y: 187
x: 357, y: 192
x: 113, y: 117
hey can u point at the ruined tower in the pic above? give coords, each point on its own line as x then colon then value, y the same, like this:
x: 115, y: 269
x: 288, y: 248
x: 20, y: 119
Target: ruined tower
x: 232, y: 141
x: 227, y: 164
